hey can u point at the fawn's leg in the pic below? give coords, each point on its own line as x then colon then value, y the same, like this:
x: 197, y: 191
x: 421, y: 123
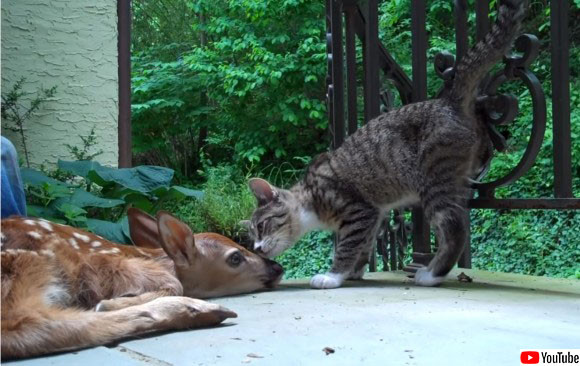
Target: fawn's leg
x: 355, y: 238
x: 124, y: 302
x: 48, y: 330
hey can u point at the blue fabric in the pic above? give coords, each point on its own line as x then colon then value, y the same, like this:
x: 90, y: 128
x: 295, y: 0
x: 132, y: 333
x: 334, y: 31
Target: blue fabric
x: 13, y: 199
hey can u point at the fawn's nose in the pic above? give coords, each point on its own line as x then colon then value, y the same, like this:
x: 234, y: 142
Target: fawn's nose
x: 275, y: 268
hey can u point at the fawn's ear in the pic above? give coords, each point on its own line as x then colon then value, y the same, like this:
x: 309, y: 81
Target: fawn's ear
x: 143, y: 229
x: 176, y: 239
x: 264, y: 192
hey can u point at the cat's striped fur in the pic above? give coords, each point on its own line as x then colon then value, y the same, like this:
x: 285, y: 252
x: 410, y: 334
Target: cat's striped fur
x: 420, y: 153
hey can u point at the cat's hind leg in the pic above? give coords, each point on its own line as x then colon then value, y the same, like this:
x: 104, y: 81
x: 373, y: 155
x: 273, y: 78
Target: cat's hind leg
x: 451, y: 222
x: 356, y: 235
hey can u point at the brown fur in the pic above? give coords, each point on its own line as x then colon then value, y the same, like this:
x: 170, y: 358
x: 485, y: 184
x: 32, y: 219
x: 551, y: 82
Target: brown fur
x: 53, y: 275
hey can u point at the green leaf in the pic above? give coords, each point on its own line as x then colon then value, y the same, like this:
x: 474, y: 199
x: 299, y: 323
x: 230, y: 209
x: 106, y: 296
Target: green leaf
x: 55, y: 191
x: 37, y: 178
x: 70, y: 210
x: 80, y: 168
x: 143, y: 179
x: 114, y: 231
x: 139, y: 201
x: 48, y: 213
x: 83, y: 198
x: 186, y: 192
x: 176, y: 193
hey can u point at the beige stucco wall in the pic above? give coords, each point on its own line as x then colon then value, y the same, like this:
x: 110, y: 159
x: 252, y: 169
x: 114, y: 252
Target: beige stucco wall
x: 71, y: 44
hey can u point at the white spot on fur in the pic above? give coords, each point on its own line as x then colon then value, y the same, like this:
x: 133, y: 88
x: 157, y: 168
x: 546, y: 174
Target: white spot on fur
x: 82, y: 237
x: 110, y: 251
x: 48, y: 253
x: 18, y: 251
x: 424, y: 277
x: 30, y: 222
x: 96, y: 244
x: 327, y: 280
x: 45, y: 225
x: 73, y: 243
x: 2, y: 237
x: 34, y: 234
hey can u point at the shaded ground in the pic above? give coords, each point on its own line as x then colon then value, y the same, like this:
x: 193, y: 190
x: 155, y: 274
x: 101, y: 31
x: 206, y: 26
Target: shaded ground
x: 382, y: 320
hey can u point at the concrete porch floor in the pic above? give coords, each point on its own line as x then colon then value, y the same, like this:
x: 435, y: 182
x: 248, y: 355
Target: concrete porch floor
x: 384, y: 319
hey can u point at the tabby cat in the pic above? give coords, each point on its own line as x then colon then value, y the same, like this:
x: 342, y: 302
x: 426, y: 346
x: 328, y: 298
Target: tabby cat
x: 422, y: 153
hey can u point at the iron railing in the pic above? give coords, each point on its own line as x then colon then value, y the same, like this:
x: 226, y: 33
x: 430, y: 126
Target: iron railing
x: 360, y: 20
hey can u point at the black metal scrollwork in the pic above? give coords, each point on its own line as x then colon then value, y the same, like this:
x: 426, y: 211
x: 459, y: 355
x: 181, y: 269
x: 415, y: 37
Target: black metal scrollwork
x: 501, y: 109
x: 393, y: 239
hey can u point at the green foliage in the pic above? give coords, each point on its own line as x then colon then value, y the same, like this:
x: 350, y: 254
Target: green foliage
x: 248, y: 84
x: 17, y: 114
x: 84, y: 152
x: 225, y: 202
x: 240, y: 85
x: 539, y: 242
x: 310, y: 256
x: 96, y: 197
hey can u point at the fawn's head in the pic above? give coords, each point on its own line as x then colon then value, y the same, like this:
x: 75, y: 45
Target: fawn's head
x: 207, y: 264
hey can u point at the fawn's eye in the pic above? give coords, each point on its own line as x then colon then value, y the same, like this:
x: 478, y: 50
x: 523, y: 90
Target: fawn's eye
x: 235, y: 259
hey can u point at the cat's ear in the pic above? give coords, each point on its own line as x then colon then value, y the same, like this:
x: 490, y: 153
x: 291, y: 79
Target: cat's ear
x: 263, y: 191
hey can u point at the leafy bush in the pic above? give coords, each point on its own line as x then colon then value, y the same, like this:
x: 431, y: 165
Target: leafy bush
x: 537, y: 242
x: 92, y: 196
x: 310, y: 256
x: 225, y: 202
x: 237, y: 87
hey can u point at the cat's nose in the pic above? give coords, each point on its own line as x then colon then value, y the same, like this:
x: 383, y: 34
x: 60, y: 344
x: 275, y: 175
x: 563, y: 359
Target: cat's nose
x: 258, y: 248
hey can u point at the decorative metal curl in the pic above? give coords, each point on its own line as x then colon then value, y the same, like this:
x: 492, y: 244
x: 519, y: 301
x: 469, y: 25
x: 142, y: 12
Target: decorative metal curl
x: 443, y: 65
x: 501, y: 109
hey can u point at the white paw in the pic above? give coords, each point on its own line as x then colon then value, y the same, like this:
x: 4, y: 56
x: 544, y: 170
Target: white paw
x: 424, y: 277
x: 327, y: 280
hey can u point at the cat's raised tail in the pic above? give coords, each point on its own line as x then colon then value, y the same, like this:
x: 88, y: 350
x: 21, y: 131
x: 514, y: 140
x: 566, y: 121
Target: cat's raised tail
x: 477, y: 62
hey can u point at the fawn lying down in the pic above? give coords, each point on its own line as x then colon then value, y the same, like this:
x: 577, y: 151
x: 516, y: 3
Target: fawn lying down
x: 64, y: 289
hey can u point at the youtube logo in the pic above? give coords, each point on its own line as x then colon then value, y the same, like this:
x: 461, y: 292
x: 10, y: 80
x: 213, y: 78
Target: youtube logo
x: 530, y: 357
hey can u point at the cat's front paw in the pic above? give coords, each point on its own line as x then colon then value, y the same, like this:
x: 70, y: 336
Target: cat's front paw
x: 327, y: 280
x: 424, y: 277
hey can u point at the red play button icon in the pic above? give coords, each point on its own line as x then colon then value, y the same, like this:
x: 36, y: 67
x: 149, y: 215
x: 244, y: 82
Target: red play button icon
x: 530, y: 357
